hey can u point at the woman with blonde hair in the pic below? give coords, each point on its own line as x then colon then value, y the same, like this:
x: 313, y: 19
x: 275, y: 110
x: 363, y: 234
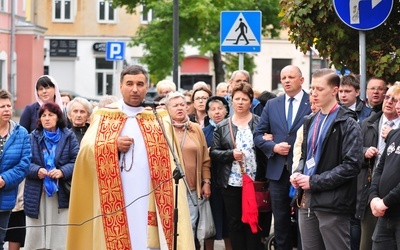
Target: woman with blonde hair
x: 196, y: 160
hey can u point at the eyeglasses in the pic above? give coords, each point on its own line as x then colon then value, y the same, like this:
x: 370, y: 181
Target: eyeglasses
x: 188, y: 103
x: 376, y: 89
x: 390, y: 98
x: 201, y: 99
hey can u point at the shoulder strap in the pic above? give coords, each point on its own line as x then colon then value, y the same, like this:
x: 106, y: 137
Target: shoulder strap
x: 234, y: 144
x: 231, y: 132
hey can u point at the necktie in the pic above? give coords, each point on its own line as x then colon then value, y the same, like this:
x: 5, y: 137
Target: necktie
x: 290, y: 113
x: 382, y: 143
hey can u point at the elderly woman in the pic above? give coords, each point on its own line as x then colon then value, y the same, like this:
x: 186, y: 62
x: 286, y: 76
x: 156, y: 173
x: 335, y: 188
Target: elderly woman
x: 15, y: 155
x: 46, y: 91
x: 79, y: 111
x: 231, y: 157
x: 54, y: 150
x: 196, y: 160
x: 217, y: 109
x: 165, y: 87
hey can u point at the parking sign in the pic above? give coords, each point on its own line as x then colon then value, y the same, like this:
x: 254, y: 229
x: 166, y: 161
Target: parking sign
x: 115, y: 51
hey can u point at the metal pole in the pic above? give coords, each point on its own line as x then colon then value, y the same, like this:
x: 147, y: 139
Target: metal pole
x: 241, y: 61
x: 363, y: 67
x: 175, y: 44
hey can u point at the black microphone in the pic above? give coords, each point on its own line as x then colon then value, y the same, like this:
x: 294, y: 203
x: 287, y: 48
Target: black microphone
x: 150, y: 104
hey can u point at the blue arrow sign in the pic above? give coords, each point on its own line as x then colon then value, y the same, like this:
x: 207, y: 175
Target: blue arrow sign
x: 240, y: 31
x: 115, y: 51
x: 363, y: 14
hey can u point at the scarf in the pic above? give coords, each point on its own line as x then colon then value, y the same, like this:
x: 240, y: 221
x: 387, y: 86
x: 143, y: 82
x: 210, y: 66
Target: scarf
x: 211, y: 121
x: 180, y: 124
x: 49, y: 152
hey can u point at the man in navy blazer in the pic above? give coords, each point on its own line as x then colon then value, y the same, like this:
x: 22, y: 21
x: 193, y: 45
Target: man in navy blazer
x: 280, y: 150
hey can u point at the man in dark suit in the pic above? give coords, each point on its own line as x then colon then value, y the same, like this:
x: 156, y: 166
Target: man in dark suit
x: 282, y: 117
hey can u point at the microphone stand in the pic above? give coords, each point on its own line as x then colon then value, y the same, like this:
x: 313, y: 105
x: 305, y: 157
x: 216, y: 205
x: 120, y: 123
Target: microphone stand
x: 177, y: 174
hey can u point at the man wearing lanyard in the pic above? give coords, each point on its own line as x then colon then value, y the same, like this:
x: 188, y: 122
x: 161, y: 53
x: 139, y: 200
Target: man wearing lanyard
x: 326, y: 176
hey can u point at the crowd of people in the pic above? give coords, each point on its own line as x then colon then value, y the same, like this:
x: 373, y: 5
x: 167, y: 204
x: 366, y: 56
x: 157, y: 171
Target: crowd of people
x: 119, y: 175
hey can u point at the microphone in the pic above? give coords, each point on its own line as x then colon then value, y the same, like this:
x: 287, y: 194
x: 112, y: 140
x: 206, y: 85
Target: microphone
x: 150, y: 103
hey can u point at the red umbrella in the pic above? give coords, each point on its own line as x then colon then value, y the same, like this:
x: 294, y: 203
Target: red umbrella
x: 249, y: 204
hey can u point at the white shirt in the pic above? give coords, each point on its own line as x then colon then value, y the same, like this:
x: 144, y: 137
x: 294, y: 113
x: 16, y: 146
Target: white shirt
x: 136, y: 181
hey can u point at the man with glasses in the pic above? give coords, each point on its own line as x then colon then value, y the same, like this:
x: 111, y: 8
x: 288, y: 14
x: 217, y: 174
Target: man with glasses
x: 376, y: 88
x: 374, y: 130
x: 384, y: 191
x: 237, y: 77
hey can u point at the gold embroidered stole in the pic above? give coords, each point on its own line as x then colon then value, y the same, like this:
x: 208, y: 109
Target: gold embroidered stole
x: 158, y: 154
x: 115, y: 223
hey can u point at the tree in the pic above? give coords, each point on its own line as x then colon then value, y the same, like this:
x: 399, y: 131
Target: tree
x: 199, y: 22
x: 315, y: 23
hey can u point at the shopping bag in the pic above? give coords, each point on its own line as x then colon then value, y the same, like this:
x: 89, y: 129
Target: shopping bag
x: 205, y: 227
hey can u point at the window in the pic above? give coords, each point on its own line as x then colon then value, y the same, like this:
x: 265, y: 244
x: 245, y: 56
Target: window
x: 146, y: 15
x: 106, y: 12
x: 3, y: 5
x: 104, y: 76
x: 277, y: 66
x: 62, y: 10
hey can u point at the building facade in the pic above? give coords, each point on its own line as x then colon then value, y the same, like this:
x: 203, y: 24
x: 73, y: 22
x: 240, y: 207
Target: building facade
x: 67, y: 40
x: 21, y: 51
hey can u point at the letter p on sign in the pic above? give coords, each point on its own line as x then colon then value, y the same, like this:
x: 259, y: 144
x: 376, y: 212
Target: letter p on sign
x: 115, y: 51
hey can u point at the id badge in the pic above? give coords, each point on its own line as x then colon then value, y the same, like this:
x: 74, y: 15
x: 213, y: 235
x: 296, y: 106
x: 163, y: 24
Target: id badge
x: 310, y: 163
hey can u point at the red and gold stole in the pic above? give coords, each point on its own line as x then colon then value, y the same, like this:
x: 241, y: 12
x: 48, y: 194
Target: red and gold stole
x: 115, y: 224
x: 159, y: 158
x: 110, y: 185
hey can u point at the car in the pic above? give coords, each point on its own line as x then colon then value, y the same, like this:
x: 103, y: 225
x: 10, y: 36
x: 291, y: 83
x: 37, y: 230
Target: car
x: 151, y: 94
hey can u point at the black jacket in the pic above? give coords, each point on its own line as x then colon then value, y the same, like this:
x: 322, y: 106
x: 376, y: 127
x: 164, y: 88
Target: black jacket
x: 386, y: 179
x: 370, y: 132
x: 222, y: 150
x: 333, y: 186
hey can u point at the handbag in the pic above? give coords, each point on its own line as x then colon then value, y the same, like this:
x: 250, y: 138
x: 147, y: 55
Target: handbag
x: 261, y: 188
x: 263, y: 196
x: 249, y: 203
x: 206, y: 226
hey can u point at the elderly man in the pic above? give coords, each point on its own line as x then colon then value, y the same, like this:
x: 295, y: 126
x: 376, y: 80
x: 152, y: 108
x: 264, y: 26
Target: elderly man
x: 385, y: 192
x: 237, y: 77
x: 376, y: 88
x: 374, y: 130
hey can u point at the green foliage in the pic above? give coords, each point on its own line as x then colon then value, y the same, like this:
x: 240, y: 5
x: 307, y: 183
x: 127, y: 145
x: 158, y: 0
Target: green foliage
x: 199, y: 25
x: 315, y: 23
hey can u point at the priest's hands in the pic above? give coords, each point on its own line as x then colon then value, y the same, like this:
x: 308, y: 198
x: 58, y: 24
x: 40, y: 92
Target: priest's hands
x: 124, y: 143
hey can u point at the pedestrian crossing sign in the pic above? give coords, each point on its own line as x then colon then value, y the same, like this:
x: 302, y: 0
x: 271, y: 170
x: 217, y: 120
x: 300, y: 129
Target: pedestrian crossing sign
x: 240, y: 31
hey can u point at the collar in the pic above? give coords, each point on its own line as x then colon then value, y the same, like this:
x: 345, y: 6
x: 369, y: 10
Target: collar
x: 297, y: 97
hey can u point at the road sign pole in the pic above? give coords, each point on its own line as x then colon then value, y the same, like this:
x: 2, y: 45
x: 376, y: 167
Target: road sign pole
x: 363, y: 68
x: 241, y: 61
x: 114, y: 78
